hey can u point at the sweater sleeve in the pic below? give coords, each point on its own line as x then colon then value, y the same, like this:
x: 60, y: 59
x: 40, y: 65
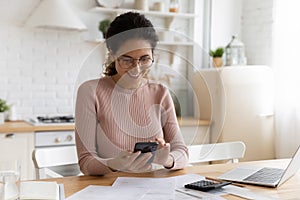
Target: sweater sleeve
x: 85, y: 130
x: 172, y: 133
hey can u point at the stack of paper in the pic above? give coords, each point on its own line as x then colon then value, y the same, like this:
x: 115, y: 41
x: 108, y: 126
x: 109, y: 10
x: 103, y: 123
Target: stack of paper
x: 39, y: 190
x: 128, y: 188
x: 172, y: 188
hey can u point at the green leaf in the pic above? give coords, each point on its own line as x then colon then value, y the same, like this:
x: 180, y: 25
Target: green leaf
x: 217, y: 53
x: 3, y: 106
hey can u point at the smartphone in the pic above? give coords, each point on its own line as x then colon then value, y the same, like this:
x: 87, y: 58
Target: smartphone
x: 145, y: 147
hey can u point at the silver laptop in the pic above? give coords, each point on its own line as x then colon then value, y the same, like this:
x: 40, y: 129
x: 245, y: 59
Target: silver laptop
x: 265, y: 176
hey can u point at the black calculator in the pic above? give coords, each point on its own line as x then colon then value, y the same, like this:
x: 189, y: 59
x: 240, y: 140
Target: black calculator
x: 205, y: 185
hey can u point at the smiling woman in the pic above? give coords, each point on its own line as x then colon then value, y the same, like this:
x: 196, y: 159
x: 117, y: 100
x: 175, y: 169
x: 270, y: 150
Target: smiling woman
x: 115, y: 112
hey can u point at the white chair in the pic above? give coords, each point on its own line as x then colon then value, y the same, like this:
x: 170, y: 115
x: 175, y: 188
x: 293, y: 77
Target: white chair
x: 231, y: 151
x: 56, y: 162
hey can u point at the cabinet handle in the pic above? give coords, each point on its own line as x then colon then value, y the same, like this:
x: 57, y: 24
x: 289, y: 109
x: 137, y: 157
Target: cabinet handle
x: 69, y: 138
x: 57, y: 140
x: 10, y: 135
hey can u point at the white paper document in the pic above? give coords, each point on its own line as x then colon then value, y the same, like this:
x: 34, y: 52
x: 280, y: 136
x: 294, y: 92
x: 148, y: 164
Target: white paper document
x: 39, y: 190
x: 172, y: 188
x: 128, y: 188
x: 167, y: 188
x: 94, y: 192
x: 246, y: 193
x: 187, y: 178
x: 201, y: 195
x: 157, y: 188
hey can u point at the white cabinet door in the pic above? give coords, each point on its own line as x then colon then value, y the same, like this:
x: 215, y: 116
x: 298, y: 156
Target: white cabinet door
x: 241, y: 107
x: 249, y: 109
x: 19, y: 146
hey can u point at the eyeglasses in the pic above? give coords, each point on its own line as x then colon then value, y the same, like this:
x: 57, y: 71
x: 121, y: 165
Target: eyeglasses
x: 144, y: 62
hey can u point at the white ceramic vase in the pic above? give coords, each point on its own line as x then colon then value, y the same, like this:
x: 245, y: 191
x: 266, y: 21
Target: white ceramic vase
x: 2, y: 117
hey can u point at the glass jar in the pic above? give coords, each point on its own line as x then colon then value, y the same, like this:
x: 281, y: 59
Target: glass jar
x: 141, y: 5
x: 174, y: 6
x: 235, y: 52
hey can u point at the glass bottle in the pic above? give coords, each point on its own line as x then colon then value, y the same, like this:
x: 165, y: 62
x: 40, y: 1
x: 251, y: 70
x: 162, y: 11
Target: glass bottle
x: 235, y: 52
x: 174, y: 6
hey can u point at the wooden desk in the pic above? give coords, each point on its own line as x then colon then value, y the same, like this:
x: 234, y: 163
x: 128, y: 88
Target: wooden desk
x: 289, y: 190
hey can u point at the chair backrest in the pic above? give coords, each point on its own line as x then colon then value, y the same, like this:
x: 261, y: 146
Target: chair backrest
x: 55, y: 162
x: 231, y: 151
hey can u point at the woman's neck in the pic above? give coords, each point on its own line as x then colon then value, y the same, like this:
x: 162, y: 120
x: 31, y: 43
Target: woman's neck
x: 127, y: 82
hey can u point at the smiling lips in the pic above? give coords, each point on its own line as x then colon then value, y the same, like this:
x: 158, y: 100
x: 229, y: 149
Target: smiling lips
x: 135, y: 73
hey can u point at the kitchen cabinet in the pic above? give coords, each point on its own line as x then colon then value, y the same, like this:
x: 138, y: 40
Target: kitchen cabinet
x: 17, y: 141
x: 19, y: 146
x: 239, y: 102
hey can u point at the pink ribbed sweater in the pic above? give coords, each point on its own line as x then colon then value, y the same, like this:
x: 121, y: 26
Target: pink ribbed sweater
x: 111, y: 119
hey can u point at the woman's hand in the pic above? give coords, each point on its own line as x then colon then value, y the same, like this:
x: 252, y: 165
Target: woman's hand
x: 162, y: 155
x: 130, y: 162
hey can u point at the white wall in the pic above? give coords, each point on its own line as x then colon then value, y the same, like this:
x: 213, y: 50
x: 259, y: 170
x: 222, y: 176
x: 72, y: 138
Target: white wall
x: 226, y: 21
x: 251, y: 20
x: 39, y: 67
x: 257, y: 31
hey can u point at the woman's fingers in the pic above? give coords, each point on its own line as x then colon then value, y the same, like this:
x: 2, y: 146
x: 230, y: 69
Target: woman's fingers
x: 141, y: 161
x: 132, y: 157
x: 160, y: 141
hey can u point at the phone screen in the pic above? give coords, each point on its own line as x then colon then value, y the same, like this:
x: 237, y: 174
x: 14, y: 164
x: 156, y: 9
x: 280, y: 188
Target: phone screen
x: 145, y: 147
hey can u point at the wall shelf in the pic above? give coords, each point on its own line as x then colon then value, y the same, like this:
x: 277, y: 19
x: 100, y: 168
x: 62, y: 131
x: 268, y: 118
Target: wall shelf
x: 159, y: 43
x: 176, y: 43
x: 176, y: 32
x: 118, y: 11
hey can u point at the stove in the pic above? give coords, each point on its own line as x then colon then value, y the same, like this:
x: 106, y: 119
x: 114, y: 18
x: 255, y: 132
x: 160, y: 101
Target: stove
x: 52, y: 120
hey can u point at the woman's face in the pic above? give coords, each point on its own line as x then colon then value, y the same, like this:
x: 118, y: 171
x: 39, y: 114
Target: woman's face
x: 133, y: 59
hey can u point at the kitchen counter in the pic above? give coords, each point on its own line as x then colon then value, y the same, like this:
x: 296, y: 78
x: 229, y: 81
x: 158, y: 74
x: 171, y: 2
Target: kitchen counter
x: 22, y: 126
x: 190, y: 121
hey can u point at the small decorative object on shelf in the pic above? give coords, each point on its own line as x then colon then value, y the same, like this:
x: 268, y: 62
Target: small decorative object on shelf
x: 3, y: 108
x: 159, y: 6
x: 235, y: 53
x: 103, y: 26
x: 110, y: 3
x: 217, y: 56
x: 174, y: 6
x: 141, y: 5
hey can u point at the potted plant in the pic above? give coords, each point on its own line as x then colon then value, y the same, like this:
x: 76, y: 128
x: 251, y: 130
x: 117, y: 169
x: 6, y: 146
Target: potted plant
x: 3, y: 108
x: 217, y: 56
x: 103, y: 26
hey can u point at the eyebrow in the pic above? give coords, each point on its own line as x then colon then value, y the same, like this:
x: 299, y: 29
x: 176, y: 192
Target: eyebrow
x: 134, y: 58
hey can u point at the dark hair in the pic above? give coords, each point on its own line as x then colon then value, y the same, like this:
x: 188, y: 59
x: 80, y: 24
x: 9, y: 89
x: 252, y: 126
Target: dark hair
x: 132, y: 26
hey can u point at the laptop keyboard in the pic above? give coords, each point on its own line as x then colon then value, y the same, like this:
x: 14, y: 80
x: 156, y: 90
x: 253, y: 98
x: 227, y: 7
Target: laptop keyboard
x: 266, y: 175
